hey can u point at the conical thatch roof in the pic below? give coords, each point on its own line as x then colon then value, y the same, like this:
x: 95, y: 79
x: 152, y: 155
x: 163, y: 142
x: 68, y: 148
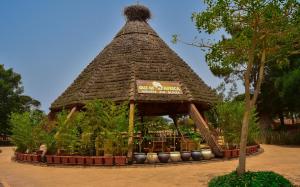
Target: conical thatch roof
x: 135, y: 53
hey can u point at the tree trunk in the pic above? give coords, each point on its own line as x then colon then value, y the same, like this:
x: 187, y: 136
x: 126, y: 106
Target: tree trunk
x: 265, y: 121
x: 243, y: 144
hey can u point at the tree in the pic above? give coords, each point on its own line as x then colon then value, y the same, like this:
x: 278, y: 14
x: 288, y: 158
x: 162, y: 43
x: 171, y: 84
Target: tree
x: 280, y: 91
x: 11, y: 98
x: 258, y: 32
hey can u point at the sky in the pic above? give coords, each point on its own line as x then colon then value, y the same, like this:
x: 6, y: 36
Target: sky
x: 49, y: 42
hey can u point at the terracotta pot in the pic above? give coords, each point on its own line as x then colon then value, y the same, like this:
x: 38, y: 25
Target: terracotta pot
x: 196, y: 155
x: 71, y: 160
x: 49, y: 159
x: 80, y: 160
x: 17, y: 155
x: 234, y: 153
x: 207, y: 154
x: 120, y: 160
x: 163, y: 157
x: 56, y: 159
x: 22, y: 157
x: 98, y: 160
x: 89, y: 160
x: 108, y: 160
x: 36, y: 158
x: 185, y: 155
x: 227, y: 154
x: 248, y: 150
x: 28, y: 157
x: 140, y: 158
x: 64, y: 159
x: 175, y: 156
x: 152, y: 158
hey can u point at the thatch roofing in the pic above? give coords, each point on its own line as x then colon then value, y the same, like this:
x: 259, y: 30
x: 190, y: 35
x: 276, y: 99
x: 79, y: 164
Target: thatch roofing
x: 135, y: 53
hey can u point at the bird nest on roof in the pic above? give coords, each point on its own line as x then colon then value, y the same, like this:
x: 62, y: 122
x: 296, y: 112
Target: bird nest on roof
x: 137, y: 13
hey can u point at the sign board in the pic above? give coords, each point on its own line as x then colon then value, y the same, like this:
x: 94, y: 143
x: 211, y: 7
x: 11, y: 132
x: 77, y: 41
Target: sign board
x: 158, y: 87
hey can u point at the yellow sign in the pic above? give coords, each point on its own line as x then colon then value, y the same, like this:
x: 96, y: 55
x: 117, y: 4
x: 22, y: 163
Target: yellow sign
x: 158, y: 87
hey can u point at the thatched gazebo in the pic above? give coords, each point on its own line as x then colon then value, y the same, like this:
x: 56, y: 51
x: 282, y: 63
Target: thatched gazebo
x: 138, y: 66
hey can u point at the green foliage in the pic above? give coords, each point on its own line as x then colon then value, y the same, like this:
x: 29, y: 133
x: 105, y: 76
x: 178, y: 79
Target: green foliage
x: 245, y: 21
x: 27, y: 130
x: 280, y: 89
x: 291, y: 137
x: 103, y: 124
x: 251, y: 179
x: 228, y: 116
x: 67, y: 135
x: 11, y: 98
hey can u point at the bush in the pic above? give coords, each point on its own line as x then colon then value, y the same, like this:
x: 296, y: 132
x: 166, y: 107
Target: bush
x: 250, y: 179
x: 281, y: 137
x: 228, y: 117
x: 27, y: 130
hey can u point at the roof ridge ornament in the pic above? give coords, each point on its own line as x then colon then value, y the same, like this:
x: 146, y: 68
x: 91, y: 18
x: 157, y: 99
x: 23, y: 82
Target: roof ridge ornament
x: 137, y: 13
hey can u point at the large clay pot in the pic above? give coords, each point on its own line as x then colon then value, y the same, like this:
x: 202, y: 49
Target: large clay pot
x: 108, y: 160
x: 175, y: 156
x: 49, y: 159
x: 185, y: 155
x: 152, y: 158
x: 227, y: 153
x: 89, y: 160
x: 207, y: 154
x: 120, y: 160
x: 98, y: 160
x: 36, y: 158
x: 140, y: 158
x: 196, y: 155
x: 80, y: 160
x: 235, y: 153
x: 163, y: 157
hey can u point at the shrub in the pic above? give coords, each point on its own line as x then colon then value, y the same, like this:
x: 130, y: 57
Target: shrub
x: 67, y: 135
x: 27, y: 130
x: 250, y: 179
x: 281, y: 137
x: 102, y: 126
x: 228, y: 116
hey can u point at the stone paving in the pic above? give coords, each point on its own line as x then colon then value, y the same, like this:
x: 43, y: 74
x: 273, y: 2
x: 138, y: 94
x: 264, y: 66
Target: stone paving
x: 281, y: 159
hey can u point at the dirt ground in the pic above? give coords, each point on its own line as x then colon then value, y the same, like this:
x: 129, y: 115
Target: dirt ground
x: 281, y: 159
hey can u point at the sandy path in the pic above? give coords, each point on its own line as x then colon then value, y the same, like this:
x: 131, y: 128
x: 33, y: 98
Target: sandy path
x: 284, y: 160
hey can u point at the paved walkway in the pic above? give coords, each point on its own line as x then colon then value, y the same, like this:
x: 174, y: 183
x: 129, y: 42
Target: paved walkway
x: 282, y: 159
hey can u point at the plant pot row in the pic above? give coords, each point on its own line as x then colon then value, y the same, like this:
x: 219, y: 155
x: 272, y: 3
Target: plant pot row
x: 165, y: 157
x: 27, y: 157
x: 234, y: 153
x: 87, y: 160
x: 74, y: 160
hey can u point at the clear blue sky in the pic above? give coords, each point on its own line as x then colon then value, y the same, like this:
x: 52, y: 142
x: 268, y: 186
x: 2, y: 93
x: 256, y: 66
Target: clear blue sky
x: 49, y: 42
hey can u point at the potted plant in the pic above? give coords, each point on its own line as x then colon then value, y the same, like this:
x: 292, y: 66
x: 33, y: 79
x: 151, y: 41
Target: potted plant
x: 175, y: 155
x: 120, y: 149
x: 108, y: 153
x: 196, y: 153
x: 227, y: 153
x: 152, y: 157
x: 207, y: 154
x: 163, y: 156
x: 235, y: 153
x: 49, y: 159
x: 140, y: 157
x: 36, y: 158
x: 185, y: 154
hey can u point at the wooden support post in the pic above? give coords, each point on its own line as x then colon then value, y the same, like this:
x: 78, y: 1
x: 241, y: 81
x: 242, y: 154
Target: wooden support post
x: 130, y: 131
x: 70, y: 114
